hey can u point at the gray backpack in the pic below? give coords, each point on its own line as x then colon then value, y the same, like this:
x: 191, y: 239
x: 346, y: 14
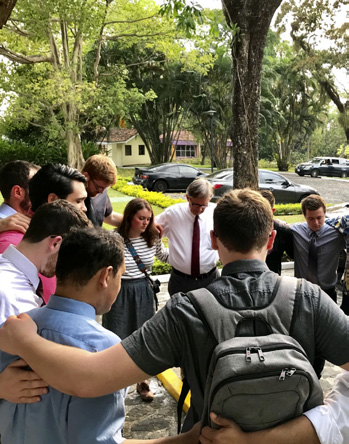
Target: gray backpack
x: 258, y: 375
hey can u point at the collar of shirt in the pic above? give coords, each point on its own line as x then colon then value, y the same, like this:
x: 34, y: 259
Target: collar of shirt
x: 22, y: 263
x: 319, y: 232
x: 245, y: 265
x: 6, y: 210
x: 61, y: 303
x: 211, y: 206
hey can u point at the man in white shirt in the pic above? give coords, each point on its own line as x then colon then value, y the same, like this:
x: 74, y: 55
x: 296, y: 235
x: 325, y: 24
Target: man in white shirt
x: 178, y: 225
x: 36, y: 253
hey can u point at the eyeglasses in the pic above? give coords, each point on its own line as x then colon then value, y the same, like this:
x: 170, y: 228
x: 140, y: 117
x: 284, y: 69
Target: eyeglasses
x: 196, y: 205
x: 99, y: 188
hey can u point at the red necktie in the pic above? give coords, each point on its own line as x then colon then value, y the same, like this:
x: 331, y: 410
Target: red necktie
x: 195, y: 250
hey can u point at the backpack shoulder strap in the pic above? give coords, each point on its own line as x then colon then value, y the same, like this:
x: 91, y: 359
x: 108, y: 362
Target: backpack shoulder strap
x: 280, y: 310
x: 222, y: 322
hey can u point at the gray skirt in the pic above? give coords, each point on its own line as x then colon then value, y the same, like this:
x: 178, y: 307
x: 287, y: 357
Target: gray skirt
x: 133, y: 306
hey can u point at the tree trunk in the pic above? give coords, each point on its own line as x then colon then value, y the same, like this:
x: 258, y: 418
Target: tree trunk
x: 253, y: 18
x: 75, y: 157
x: 6, y: 7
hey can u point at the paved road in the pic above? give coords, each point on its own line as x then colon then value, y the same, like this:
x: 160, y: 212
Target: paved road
x: 333, y: 190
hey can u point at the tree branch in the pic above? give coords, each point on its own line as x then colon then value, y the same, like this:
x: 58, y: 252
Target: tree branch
x: 116, y: 37
x: 21, y: 58
x: 129, y: 21
x: 16, y: 30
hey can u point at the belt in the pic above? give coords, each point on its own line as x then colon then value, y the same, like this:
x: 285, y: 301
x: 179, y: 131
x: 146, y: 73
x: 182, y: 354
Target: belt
x: 188, y: 276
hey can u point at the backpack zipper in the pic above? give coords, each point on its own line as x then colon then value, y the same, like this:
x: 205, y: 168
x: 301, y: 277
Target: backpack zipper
x: 260, y: 376
x: 261, y: 356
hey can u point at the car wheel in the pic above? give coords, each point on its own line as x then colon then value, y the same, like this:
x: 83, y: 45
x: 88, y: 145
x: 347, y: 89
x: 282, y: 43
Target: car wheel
x: 314, y: 173
x: 303, y: 197
x: 344, y: 174
x: 300, y: 174
x: 160, y: 186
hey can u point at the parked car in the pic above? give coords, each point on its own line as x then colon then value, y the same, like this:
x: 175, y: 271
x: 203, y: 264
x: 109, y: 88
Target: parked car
x: 166, y: 176
x: 284, y: 191
x: 324, y: 166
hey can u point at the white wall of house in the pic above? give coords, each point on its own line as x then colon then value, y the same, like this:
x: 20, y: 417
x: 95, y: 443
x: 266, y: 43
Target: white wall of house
x: 129, y: 153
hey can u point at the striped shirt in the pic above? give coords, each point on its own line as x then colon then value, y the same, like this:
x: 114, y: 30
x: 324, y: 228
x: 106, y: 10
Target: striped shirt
x: 146, y: 255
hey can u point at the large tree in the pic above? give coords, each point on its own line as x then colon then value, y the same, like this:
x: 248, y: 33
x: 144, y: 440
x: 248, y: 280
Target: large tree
x: 321, y: 43
x: 249, y: 21
x: 292, y: 104
x: 45, y: 43
x: 212, y: 91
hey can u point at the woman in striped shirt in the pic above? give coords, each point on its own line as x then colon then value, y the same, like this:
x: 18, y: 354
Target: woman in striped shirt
x: 135, y: 302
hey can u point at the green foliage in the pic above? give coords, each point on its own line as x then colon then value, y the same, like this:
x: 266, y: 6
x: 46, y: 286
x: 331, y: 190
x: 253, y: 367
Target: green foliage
x: 185, y: 16
x: 321, y: 44
x: 287, y: 209
x: 54, y: 88
x: 152, y: 197
x: 160, y: 267
x: 344, y: 148
x: 292, y: 105
x: 39, y: 154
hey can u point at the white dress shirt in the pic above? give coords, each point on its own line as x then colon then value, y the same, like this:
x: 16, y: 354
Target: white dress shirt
x: 6, y: 210
x: 18, y: 283
x: 178, y: 222
x: 330, y: 420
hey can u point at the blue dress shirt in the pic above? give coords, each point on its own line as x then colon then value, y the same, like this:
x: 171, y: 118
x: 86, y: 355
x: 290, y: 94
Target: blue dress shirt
x: 60, y: 418
x: 329, y: 241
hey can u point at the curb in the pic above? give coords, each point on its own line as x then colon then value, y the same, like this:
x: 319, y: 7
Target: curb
x: 173, y: 385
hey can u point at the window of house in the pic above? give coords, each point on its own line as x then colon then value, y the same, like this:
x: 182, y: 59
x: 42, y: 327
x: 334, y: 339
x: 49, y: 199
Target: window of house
x: 128, y: 150
x: 141, y: 150
x: 185, y: 150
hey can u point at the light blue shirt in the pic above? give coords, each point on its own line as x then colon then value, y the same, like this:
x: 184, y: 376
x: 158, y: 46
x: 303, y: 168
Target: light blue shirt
x: 60, y: 418
x: 6, y: 210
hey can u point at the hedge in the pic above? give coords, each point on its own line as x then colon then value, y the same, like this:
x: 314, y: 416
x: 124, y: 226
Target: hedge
x: 152, y: 197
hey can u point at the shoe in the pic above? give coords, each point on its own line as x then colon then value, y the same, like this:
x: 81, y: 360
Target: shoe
x: 144, y: 390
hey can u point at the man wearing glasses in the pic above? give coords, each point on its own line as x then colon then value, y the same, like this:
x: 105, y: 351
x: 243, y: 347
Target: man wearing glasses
x: 100, y: 172
x: 187, y: 226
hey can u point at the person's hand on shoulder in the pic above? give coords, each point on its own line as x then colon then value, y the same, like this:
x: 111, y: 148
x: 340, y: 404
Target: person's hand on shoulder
x: 16, y: 222
x: 19, y: 385
x: 15, y: 332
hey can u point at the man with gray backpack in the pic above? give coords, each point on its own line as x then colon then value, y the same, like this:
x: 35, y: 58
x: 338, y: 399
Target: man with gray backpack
x: 277, y: 325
